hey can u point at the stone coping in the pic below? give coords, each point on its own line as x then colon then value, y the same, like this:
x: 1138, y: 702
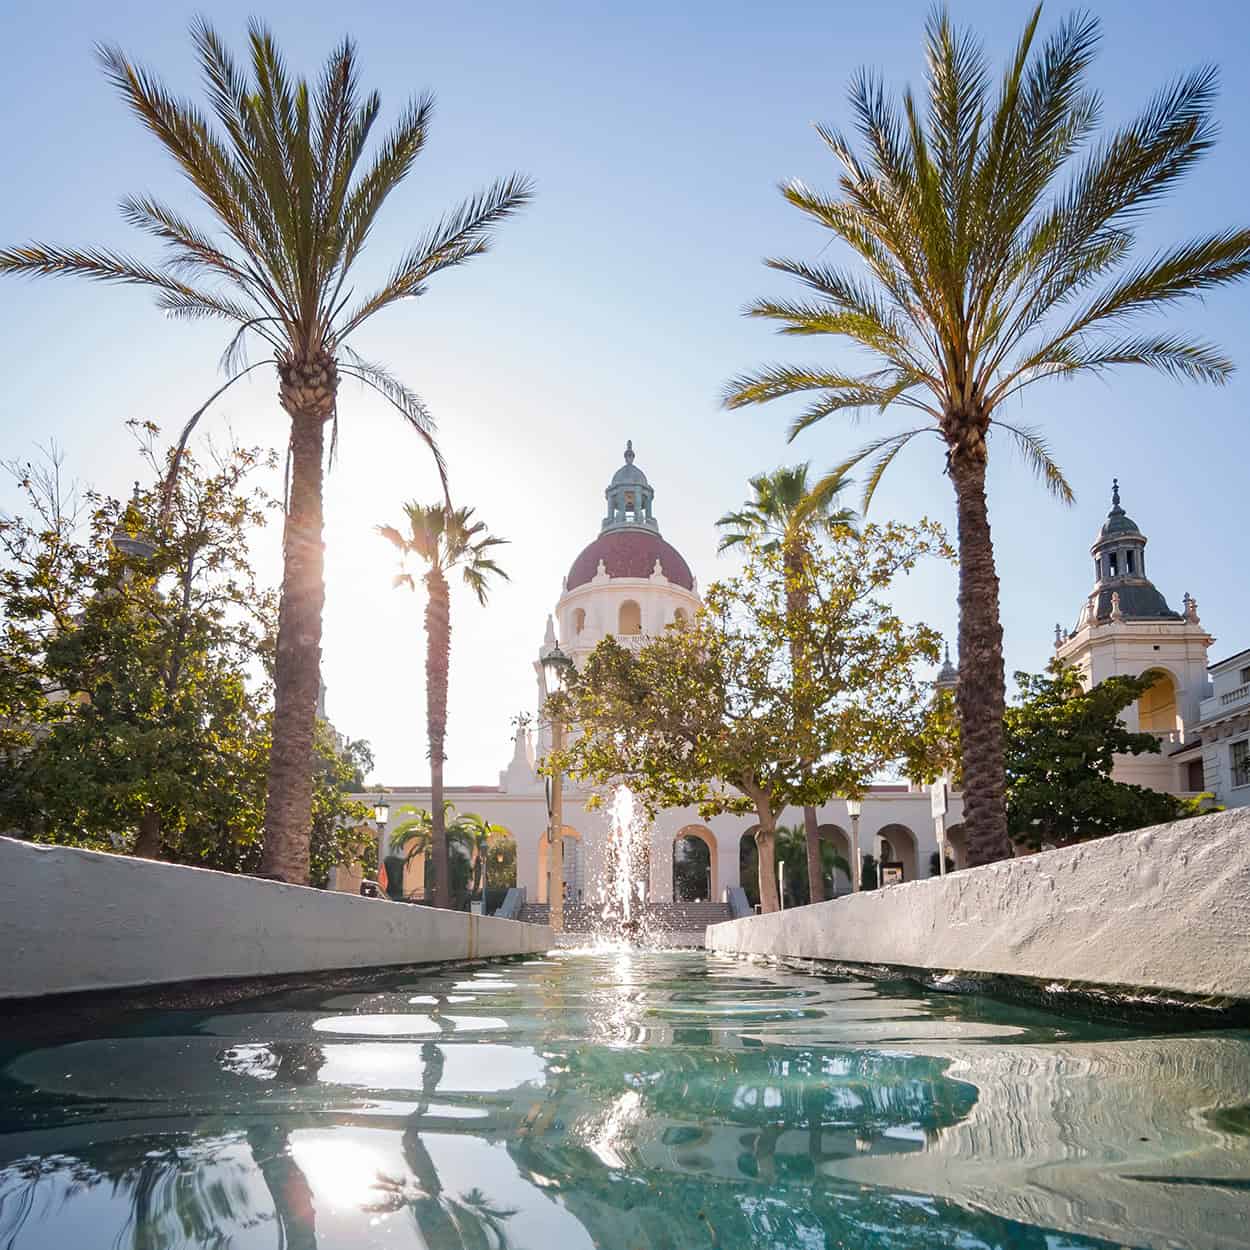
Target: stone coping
x: 74, y: 921
x: 1162, y: 912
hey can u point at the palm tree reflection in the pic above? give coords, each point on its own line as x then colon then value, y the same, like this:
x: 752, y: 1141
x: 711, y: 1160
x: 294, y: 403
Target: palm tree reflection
x: 470, y: 1222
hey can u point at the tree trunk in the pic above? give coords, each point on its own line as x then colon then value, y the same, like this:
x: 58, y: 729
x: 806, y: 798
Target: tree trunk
x: 308, y: 393
x: 981, y: 695
x: 437, y: 663
x: 796, y: 601
x: 766, y: 852
x: 815, y: 873
x: 148, y: 843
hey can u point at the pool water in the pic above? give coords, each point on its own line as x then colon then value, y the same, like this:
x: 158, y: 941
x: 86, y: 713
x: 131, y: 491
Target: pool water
x: 626, y: 1100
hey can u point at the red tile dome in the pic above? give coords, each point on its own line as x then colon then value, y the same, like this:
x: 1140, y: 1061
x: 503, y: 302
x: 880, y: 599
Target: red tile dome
x: 630, y: 552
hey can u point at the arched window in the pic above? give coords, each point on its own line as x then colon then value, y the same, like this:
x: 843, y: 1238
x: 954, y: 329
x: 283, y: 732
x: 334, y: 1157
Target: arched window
x: 679, y: 617
x: 629, y: 619
x: 1156, y: 709
x: 579, y: 620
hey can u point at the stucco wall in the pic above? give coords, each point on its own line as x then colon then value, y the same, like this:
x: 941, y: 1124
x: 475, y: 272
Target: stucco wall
x: 1166, y: 908
x: 80, y: 920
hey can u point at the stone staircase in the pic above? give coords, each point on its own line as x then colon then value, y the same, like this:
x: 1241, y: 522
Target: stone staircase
x: 666, y: 917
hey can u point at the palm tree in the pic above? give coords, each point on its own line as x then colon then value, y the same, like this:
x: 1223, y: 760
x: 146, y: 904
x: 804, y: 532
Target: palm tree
x: 479, y: 835
x: 785, y: 514
x: 443, y: 539
x: 983, y: 273
x: 293, y: 199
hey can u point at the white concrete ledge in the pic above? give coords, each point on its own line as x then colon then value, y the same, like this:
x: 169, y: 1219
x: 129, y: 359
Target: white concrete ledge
x: 1163, y: 909
x: 80, y: 920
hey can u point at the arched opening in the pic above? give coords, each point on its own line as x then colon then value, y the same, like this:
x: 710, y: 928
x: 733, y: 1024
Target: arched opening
x: 574, y: 867
x: 579, y: 620
x: 629, y: 618
x: 837, y: 863
x: 957, y: 845
x: 898, y: 846
x: 1156, y: 709
x: 749, y: 866
x: 679, y: 617
x: 694, y: 865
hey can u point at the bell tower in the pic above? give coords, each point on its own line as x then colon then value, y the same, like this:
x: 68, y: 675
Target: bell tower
x: 1126, y: 627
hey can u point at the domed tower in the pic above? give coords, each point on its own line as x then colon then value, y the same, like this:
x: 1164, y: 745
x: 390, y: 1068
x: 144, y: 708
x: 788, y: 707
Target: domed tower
x: 629, y: 582
x: 1126, y: 627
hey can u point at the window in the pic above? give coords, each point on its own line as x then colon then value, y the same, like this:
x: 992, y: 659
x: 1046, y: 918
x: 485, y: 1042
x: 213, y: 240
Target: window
x: 1240, y: 757
x: 629, y: 620
x: 579, y: 620
x: 1244, y: 679
x: 679, y: 617
x: 1113, y: 568
x: 1128, y: 562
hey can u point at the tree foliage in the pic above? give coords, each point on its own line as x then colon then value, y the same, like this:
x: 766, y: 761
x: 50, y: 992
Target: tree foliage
x: 716, y: 715
x: 134, y: 668
x: 1062, y: 741
x: 993, y: 239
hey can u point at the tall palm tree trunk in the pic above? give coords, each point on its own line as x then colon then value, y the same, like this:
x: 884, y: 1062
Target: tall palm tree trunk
x: 308, y: 390
x: 981, y: 695
x: 437, y: 663
x: 796, y: 600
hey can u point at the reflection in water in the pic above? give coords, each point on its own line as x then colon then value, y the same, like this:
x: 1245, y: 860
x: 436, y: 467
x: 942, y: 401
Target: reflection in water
x: 639, y: 1100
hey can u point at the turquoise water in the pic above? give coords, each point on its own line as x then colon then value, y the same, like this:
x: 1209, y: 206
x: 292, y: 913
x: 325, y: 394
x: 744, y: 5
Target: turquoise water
x: 624, y: 1100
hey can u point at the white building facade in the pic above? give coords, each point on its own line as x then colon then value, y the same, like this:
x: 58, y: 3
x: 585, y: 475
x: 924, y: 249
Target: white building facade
x: 630, y: 583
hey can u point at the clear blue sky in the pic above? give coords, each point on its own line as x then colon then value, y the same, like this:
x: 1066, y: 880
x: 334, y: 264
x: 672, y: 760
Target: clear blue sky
x: 656, y: 134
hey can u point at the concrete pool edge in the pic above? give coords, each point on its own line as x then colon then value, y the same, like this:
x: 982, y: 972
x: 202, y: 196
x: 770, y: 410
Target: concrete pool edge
x: 1158, y: 914
x: 75, y: 921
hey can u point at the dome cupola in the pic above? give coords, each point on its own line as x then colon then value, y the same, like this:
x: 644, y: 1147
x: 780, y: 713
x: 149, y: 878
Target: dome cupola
x: 1122, y: 591
x: 629, y: 542
x: 629, y: 496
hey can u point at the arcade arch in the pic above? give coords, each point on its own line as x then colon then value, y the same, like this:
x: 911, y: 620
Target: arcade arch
x: 629, y: 618
x: 837, y: 838
x: 695, y: 867
x: 897, y: 844
x: 574, y: 867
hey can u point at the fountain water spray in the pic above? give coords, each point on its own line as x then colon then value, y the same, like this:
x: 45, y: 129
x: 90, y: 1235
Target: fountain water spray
x: 623, y: 883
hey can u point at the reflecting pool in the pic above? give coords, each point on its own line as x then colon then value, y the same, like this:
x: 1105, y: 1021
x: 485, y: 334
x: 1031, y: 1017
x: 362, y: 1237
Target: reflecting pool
x: 625, y: 1099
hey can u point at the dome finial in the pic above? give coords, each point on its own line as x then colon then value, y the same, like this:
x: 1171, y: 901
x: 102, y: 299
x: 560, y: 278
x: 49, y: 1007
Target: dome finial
x: 629, y: 451
x: 1115, y: 492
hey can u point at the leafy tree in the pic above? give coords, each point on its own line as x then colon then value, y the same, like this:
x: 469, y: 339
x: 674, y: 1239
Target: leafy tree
x: 292, y: 198
x: 144, y: 723
x: 785, y: 515
x: 716, y: 715
x: 1062, y: 741
x: 996, y: 237
x: 442, y: 540
x: 135, y: 658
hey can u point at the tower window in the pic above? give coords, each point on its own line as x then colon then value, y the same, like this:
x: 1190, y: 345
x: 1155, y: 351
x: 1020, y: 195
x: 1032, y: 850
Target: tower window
x: 579, y: 620
x: 629, y: 619
x: 1128, y: 562
x: 679, y: 617
x: 1113, y: 569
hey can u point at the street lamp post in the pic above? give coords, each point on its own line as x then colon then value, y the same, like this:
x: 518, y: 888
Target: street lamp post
x: 381, y: 814
x: 556, y: 669
x: 854, y: 808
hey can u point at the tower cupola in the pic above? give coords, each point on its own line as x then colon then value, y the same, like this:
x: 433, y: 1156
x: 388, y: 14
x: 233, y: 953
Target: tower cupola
x: 1122, y: 591
x: 629, y: 497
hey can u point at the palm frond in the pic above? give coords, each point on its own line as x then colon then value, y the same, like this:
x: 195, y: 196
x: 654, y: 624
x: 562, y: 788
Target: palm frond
x: 1036, y: 452
x: 458, y: 237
